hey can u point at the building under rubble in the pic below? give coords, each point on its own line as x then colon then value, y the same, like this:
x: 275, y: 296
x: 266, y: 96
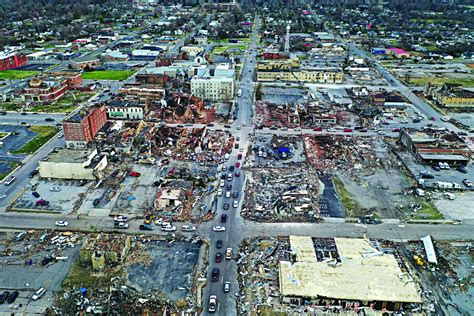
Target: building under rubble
x: 354, y: 275
x: 105, y: 248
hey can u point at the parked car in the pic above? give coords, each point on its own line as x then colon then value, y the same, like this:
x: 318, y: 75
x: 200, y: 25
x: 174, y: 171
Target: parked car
x: 461, y: 169
x: 33, y: 173
x: 228, y: 254
x: 347, y: 130
x: 42, y: 202
x: 229, y: 186
x: 237, y: 164
x: 215, y: 274
x: 46, y: 260
x: 61, y: 223
x: 4, y: 296
x: 396, y: 130
x: 437, y: 168
x: 317, y: 129
x: 239, y: 156
x: 237, y: 174
x: 96, y: 202
x: 12, y: 297
x: 120, y: 218
x: 231, y: 168
x: 226, y: 287
x: 235, y: 194
x: 168, y: 228
x: 225, y: 206
x: 219, y: 244
x: 121, y: 225
x: 223, y: 218
x: 218, y: 257
x: 227, y: 194
x: 145, y: 227
x: 219, y: 192
x: 235, y: 204
x: 218, y: 228
x: 49, y: 119
x: 35, y: 194
x: 40, y: 292
x: 467, y: 183
x: 426, y: 175
x: 134, y: 174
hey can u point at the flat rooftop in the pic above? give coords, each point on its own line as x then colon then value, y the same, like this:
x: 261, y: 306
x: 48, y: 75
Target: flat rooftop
x: 68, y: 155
x: 364, y: 274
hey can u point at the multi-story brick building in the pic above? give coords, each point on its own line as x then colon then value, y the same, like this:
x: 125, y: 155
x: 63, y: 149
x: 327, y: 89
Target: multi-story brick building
x: 13, y: 60
x: 51, y: 86
x: 82, y: 127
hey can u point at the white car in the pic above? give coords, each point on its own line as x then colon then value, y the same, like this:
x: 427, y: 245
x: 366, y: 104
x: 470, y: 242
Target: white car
x: 227, y: 194
x: 235, y: 204
x: 212, y: 306
x: 188, y: 228
x: 62, y: 223
x: 122, y: 225
x: 381, y: 132
x: 55, y: 189
x: 120, y: 218
x: 222, y: 183
x: 169, y: 228
x: 467, y: 183
x: 219, y: 192
x: 331, y: 130
x: 218, y: 228
x: 159, y: 221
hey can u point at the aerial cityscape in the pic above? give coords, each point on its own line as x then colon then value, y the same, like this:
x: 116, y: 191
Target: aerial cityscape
x: 225, y: 157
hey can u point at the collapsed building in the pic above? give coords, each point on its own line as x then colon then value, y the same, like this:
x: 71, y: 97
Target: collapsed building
x: 105, y: 248
x: 355, y: 275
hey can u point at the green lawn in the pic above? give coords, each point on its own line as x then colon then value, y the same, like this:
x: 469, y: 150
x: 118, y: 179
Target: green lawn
x: 466, y: 82
x: 66, y: 104
x: 81, y: 275
x: 221, y: 49
x: 107, y: 74
x: 17, y: 74
x: 45, y: 133
x: 428, y: 211
x: 353, y: 208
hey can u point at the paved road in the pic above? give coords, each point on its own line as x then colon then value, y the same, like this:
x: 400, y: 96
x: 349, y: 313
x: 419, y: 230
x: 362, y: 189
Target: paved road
x: 30, y: 118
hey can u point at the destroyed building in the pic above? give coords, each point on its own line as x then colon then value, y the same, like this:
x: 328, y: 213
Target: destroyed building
x: 359, y: 276
x: 112, y: 247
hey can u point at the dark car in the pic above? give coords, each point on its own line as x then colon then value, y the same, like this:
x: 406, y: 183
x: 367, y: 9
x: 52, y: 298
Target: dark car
x: 96, y: 202
x: 215, y: 274
x: 145, y: 227
x: 231, y: 168
x: 48, y: 119
x: 226, y: 206
x: 24, y: 113
x: 436, y: 167
x: 426, y: 175
x: 223, y: 176
x: 462, y: 133
x: 219, y: 244
x: 35, y: 194
x: 239, y: 156
x: 12, y: 297
x: 46, y: 260
x: 237, y: 173
x: 210, y: 124
x: 33, y: 173
x: 462, y: 169
x: 4, y: 296
x: 229, y: 187
x: 218, y: 257
x: 235, y: 194
x: 223, y: 218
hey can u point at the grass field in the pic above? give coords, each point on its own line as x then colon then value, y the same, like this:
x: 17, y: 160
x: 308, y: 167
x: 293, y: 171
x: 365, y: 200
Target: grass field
x: 466, y: 82
x: 428, y: 211
x: 65, y: 104
x: 353, y: 209
x: 17, y: 74
x: 107, y: 74
x: 221, y: 49
x: 45, y: 133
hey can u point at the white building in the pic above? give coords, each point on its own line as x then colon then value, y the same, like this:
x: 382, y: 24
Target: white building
x: 125, y: 110
x: 215, y: 84
x: 64, y: 163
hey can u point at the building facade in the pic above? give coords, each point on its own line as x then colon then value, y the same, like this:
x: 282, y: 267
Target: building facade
x: 213, y: 88
x: 81, y: 128
x: 125, y: 110
x: 51, y: 86
x: 10, y: 61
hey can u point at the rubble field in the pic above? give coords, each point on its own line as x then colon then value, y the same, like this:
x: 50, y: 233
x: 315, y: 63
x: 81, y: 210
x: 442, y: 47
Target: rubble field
x: 276, y: 151
x: 32, y: 262
x: 282, y: 194
x: 140, y: 274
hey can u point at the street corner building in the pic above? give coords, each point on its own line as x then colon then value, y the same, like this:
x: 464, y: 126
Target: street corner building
x: 361, y: 277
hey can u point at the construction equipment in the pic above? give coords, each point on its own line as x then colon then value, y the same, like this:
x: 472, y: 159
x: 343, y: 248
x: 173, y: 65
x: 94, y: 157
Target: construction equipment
x: 419, y: 261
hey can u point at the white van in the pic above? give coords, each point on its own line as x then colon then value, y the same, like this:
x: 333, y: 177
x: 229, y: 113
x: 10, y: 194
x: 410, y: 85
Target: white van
x: 38, y: 294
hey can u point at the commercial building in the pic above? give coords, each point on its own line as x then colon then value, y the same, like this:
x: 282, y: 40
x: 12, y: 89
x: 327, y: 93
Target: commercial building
x: 452, y: 96
x: 192, y: 50
x: 143, y: 93
x: 12, y: 60
x: 148, y: 52
x: 291, y: 70
x: 214, y: 83
x: 115, y: 55
x: 51, y: 86
x: 126, y: 110
x: 358, y: 275
x: 435, y: 146
x: 82, y: 127
x: 398, y: 52
x: 63, y: 163
x: 84, y: 62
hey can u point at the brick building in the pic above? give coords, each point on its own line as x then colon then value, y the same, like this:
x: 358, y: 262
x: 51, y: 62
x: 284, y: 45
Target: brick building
x: 51, y: 86
x: 13, y: 60
x: 81, y: 128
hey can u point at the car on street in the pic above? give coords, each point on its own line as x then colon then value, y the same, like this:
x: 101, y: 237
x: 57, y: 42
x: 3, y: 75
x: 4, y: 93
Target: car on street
x: 225, y: 206
x: 381, y: 132
x: 331, y: 130
x: 231, y: 168
x: 467, y: 183
x: 219, y: 244
x: 10, y: 180
x: 235, y: 194
x: 227, y: 194
x: 134, y: 174
x: 317, y: 129
x: 223, y: 218
x: 55, y: 189
x: 238, y: 127
x: 347, y: 130
x: 168, y: 228
x: 237, y: 164
x: 463, y: 134
x: 436, y: 168
x: 239, y: 156
x: 188, y: 228
x: 228, y: 254
x: 218, y: 228
x: 229, y: 186
x: 226, y: 287
x: 237, y: 174
x: 33, y: 173
x: 235, y: 204
x: 395, y: 130
x: 222, y: 183
x: 218, y: 257
x: 145, y: 227
x: 212, y: 305
x: 121, y: 225
x: 49, y: 119
x: 61, y: 223
x: 219, y: 192
x: 215, y: 274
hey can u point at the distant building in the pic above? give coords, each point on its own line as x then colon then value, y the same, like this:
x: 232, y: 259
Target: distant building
x: 148, y: 52
x: 151, y: 78
x: 63, y: 163
x: 126, y: 110
x: 192, y: 50
x: 292, y: 70
x: 51, y: 85
x: 398, y: 52
x: 115, y: 55
x: 82, y: 127
x: 378, y: 51
x: 85, y: 62
x: 452, y: 96
x: 143, y: 93
x: 13, y: 60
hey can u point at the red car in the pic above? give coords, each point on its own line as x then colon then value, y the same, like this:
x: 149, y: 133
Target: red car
x: 218, y: 257
x: 395, y: 130
x: 237, y: 164
x: 134, y: 174
x: 347, y: 130
x: 317, y: 129
x: 237, y: 173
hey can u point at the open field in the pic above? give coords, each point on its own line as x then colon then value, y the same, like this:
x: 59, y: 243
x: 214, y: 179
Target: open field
x: 17, y: 74
x: 108, y: 75
x: 467, y: 82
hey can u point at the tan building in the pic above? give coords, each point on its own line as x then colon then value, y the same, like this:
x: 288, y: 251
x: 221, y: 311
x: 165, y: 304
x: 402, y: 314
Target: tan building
x: 360, y: 275
x: 64, y: 163
x: 292, y: 70
x: 452, y: 96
